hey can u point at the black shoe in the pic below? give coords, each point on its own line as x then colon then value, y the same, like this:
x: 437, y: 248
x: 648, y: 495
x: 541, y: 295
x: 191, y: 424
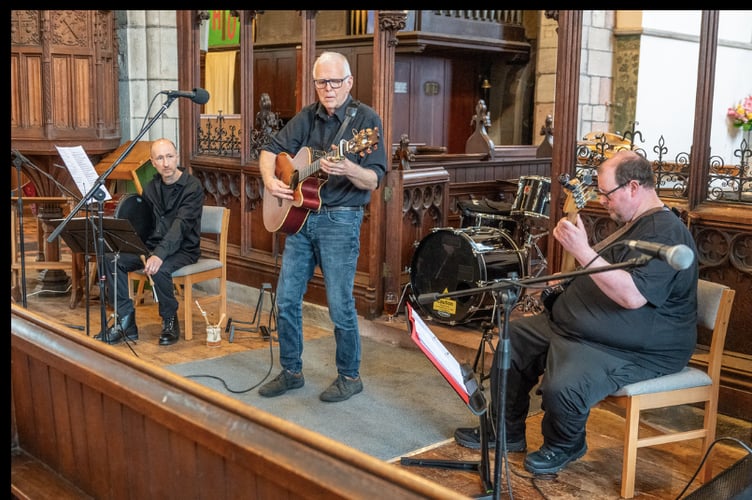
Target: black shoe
x: 341, y: 389
x: 285, y: 381
x: 124, y: 329
x: 170, y: 331
x: 469, y: 437
x: 549, y: 461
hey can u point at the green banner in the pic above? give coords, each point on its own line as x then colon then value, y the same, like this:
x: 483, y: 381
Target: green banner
x: 224, y: 29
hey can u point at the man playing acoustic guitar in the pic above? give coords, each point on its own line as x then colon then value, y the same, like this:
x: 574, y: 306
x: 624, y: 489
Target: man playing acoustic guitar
x: 317, y: 197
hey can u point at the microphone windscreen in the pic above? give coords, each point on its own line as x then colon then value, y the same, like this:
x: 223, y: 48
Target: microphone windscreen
x: 201, y: 97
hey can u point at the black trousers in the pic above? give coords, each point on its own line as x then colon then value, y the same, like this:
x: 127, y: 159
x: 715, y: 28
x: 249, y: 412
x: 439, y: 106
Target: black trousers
x: 168, y: 304
x: 575, y: 377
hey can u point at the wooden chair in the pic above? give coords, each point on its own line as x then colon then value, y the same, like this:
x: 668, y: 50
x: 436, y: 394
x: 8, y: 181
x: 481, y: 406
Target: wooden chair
x: 216, y: 221
x: 689, y: 386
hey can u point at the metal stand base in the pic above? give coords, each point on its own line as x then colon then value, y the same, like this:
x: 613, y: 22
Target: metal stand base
x: 256, y: 321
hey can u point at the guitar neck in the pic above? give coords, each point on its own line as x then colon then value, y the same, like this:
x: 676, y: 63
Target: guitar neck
x: 315, y: 166
x: 567, y: 260
x: 310, y: 170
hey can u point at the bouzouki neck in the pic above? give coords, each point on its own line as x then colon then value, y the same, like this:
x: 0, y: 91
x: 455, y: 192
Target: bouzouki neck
x: 577, y: 198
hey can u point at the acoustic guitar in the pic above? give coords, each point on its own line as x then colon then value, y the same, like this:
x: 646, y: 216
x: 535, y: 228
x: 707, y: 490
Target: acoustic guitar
x: 302, y: 174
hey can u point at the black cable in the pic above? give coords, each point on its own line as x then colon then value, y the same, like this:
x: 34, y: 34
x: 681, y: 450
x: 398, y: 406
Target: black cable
x: 705, y: 457
x: 266, y: 334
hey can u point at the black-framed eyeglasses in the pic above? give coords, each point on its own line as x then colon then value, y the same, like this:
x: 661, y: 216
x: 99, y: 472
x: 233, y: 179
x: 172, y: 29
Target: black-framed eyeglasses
x: 334, y: 83
x: 609, y: 193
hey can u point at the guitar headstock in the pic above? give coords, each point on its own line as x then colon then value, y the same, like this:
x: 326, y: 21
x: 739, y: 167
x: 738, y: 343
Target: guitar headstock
x: 364, y: 141
x: 577, y: 193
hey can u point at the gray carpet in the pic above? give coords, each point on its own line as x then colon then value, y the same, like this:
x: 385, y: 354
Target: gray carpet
x: 405, y: 405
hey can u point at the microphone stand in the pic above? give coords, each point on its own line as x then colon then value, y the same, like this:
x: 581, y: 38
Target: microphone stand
x: 505, y: 291
x: 18, y: 161
x: 98, y: 194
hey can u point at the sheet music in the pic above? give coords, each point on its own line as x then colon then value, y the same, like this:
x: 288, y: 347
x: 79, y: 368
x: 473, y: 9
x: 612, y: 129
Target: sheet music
x: 82, y: 170
x: 438, y: 353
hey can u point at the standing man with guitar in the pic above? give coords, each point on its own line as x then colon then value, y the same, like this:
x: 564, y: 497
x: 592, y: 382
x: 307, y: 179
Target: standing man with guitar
x: 175, y: 201
x: 317, y: 197
x: 605, y: 330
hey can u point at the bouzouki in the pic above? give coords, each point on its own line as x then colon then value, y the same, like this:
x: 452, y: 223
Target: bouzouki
x: 577, y: 198
x: 302, y: 174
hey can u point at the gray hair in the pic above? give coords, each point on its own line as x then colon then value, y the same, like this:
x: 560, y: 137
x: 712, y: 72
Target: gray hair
x: 333, y: 57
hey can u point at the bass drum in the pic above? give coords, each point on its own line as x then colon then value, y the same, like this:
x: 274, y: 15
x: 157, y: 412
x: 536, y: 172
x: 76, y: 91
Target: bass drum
x: 137, y: 210
x: 452, y: 260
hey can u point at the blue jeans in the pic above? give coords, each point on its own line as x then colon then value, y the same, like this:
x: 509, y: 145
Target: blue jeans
x: 330, y: 240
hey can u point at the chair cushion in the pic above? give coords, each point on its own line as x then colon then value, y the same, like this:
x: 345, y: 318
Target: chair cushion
x: 198, y: 267
x: 688, y: 377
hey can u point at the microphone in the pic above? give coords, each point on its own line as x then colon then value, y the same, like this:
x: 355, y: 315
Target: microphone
x: 197, y: 95
x: 679, y: 257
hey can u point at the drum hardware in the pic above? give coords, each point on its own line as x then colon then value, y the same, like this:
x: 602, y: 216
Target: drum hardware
x: 529, y: 302
x: 486, y: 213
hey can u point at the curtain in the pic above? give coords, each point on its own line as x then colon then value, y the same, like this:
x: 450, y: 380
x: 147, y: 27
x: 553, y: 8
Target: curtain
x: 220, y: 82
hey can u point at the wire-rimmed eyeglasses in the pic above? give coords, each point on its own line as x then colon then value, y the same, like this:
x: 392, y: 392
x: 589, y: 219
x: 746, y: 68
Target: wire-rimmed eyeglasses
x: 334, y: 83
x: 608, y: 193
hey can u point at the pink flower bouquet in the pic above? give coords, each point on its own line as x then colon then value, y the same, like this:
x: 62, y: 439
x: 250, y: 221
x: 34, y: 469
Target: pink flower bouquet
x: 741, y: 114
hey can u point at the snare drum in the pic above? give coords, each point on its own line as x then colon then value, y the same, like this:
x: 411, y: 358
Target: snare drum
x: 137, y: 210
x: 483, y: 213
x: 533, y: 197
x: 452, y: 260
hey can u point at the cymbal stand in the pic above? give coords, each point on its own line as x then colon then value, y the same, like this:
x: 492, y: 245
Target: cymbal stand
x: 479, y: 364
x: 528, y: 302
x: 401, y: 301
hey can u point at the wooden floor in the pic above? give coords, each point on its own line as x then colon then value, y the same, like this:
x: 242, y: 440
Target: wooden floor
x: 662, y: 473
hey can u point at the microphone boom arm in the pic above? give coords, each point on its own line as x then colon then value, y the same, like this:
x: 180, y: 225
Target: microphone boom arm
x: 506, y: 283
x: 100, y: 180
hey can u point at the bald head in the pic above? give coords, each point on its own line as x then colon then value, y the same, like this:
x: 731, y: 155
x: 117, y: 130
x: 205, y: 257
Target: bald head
x: 630, y: 166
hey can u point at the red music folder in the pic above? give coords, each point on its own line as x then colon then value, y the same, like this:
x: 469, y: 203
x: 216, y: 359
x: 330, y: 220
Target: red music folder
x: 462, y: 379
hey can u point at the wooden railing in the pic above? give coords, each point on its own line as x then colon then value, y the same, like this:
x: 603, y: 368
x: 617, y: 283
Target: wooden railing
x: 114, y: 426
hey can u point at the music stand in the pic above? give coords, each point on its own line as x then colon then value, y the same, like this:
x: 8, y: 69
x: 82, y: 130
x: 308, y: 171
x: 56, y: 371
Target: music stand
x: 462, y: 379
x: 119, y: 235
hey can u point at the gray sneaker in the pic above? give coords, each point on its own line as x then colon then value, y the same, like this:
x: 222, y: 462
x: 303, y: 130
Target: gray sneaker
x: 341, y: 389
x: 283, y: 382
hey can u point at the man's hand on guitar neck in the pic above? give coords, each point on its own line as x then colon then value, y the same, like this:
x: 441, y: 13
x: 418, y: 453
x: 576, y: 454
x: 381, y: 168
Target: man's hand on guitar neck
x: 574, y: 239
x: 362, y: 178
x: 338, y: 166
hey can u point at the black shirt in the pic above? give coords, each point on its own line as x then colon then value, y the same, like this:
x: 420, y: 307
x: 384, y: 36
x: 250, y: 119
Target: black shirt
x: 177, y: 212
x: 312, y: 127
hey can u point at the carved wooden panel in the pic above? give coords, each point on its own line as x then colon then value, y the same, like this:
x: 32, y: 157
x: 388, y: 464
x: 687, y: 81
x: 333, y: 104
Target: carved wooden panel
x: 64, y: 80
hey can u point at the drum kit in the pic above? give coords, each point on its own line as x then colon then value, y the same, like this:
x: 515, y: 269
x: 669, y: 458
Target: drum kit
x: 496, y: 241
